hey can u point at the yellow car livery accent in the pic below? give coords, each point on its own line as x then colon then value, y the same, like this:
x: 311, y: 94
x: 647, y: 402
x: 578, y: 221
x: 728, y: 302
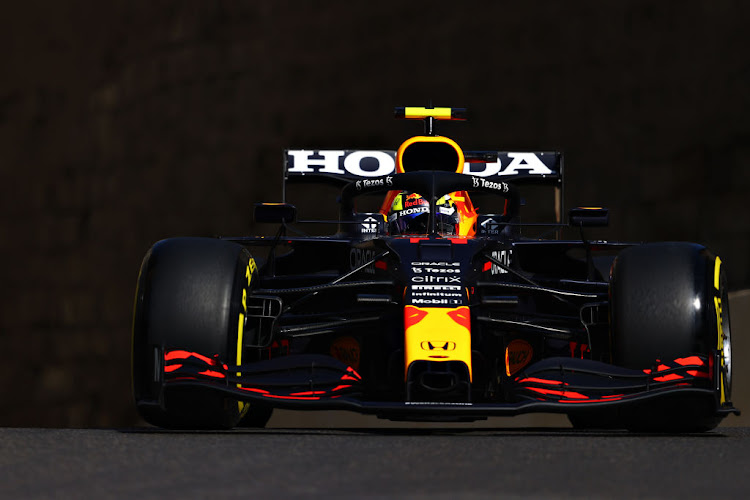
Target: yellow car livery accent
x: 249, y: 270
x: 398, y: 204
x: 719, y: 328
x: 437, y: 334
x: 416, y: 113
x: 429, y: 138
x: 717, y: 273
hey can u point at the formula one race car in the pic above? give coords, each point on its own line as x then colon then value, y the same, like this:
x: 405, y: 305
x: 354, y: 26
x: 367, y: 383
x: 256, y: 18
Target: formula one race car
x: 429, y: 309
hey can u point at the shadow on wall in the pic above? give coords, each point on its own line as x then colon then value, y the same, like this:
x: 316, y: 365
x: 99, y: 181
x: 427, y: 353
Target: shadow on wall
x: 739, y: 305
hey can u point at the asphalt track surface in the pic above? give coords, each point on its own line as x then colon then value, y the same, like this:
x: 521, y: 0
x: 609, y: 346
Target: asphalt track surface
x: 372, y: 463
x: 340, y: 455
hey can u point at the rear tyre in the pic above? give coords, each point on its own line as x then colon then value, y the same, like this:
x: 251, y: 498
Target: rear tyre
x: 190, y: 296
x: 669, y: 300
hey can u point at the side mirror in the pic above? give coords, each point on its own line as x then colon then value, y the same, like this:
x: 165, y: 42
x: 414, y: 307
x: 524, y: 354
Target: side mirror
x: 275, y: 212
x: 588, y: 217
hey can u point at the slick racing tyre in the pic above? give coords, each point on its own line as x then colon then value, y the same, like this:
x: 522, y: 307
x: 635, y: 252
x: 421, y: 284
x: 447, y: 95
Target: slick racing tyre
x: 190, y: 296
x: 669, y: 300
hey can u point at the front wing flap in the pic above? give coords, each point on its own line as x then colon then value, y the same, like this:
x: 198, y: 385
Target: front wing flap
x: 554, y: 385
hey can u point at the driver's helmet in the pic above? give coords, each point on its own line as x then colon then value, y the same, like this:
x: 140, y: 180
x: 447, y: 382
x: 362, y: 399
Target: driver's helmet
x: 410, y: 214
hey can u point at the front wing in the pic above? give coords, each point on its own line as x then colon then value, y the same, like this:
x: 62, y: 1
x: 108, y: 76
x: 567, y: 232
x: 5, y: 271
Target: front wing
x: 554, y: 385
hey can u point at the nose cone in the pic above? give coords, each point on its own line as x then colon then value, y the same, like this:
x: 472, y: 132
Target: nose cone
x: 439, y: 334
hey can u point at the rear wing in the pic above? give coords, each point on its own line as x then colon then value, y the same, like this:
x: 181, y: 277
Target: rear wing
x: 340, y: 166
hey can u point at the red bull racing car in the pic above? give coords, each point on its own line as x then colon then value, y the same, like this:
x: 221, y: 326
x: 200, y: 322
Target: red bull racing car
x: 432, y: 306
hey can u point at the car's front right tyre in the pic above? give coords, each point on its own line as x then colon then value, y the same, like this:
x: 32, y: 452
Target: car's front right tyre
x: 669, y: 301
x: 191, y: 295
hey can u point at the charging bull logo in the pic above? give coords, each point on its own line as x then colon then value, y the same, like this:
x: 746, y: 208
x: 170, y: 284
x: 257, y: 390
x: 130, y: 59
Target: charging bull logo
x: 347, y: 350
x: 517, y: 355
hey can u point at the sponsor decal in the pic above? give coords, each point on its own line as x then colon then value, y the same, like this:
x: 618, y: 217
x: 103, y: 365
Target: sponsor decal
x: 380, y: 163
x: 517, y: 355
x: 444, y: 264
x: 358, y: 163
x: 368, y: 183
x: 724, y: 345
x: 490, y: 226
x: 520, y: 163
x: 435, y: 270
x: 438, y: 345
x: 250, y: 270
x: 503, y: 256
x: 370, y: 225
x: 439, y: 295
x: 415, y: 210
x: 412, y: 202
x: 436, y: 279
x: 346, y: 350
x: 359, y: 256
x: 484, y: 183
x: 436, y: 302
x: 435, y: 294
x: 437, y: 287
x: 433, y: 283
